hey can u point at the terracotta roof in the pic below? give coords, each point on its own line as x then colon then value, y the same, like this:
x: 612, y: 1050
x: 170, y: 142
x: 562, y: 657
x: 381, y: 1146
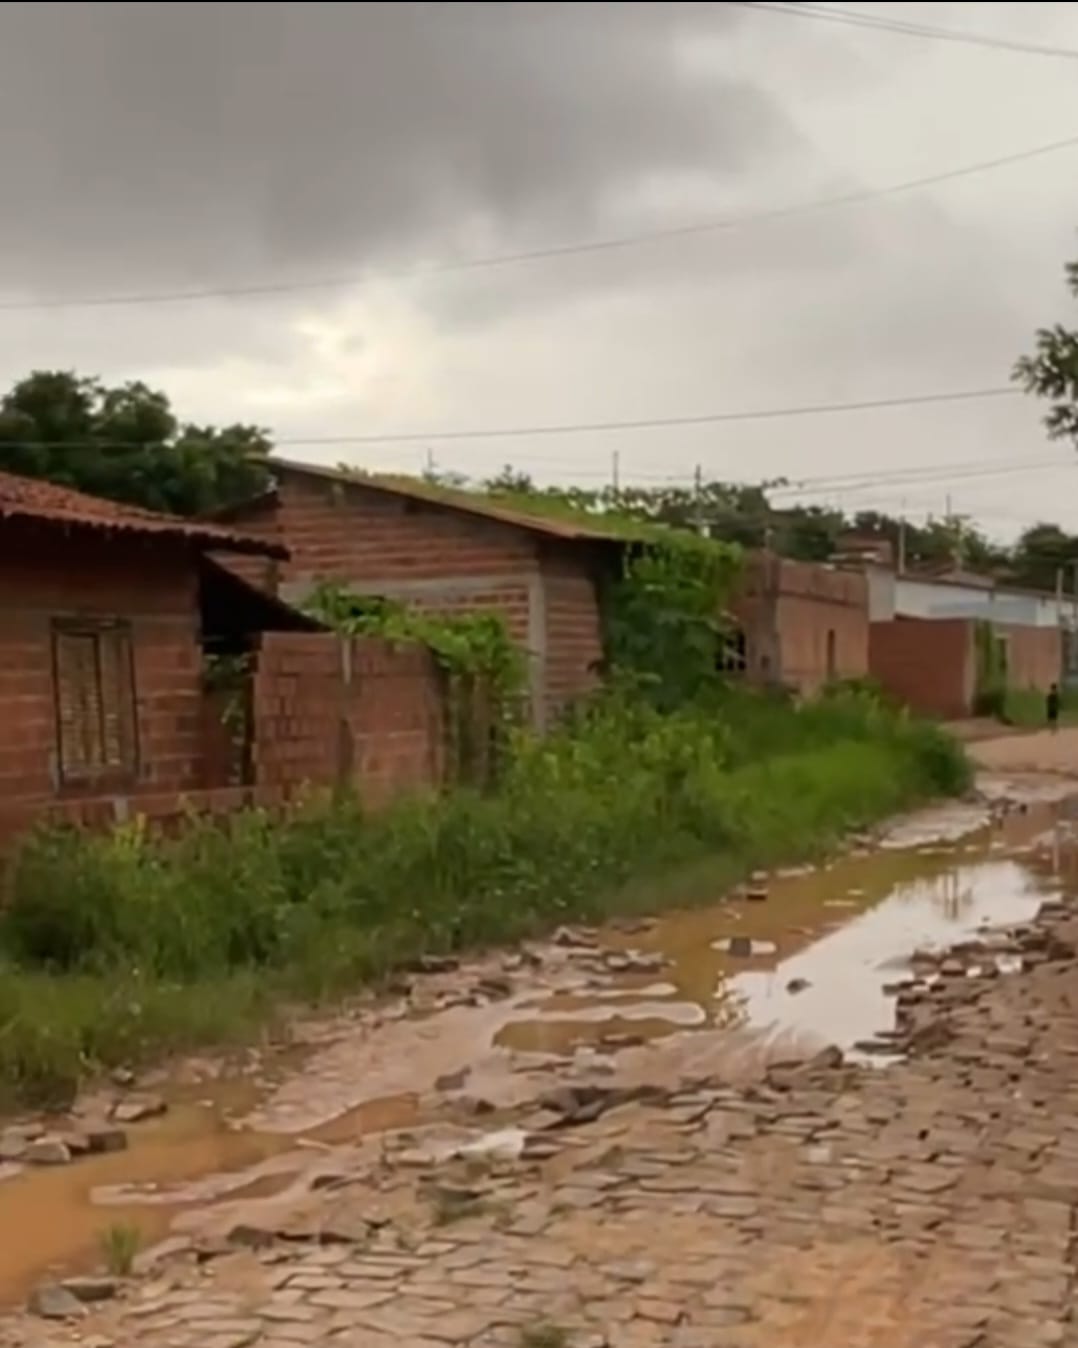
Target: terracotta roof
x: 567, y: 530
x: 28, y: 498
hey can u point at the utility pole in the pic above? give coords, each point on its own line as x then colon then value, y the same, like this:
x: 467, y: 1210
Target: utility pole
x: 429, y: 468
x: 615, y: 470
x: 698, y: 499
x: 901, y: 567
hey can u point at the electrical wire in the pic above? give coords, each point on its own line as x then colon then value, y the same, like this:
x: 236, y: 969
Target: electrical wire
x: 909, y: 28
x: 648, y: 423
x: 612, y: 243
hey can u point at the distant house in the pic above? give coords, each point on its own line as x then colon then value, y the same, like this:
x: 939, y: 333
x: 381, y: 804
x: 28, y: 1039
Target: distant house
x: 801, y: 624
x: 105, y: 611
x: 935, y: 630
x: 441, y: 551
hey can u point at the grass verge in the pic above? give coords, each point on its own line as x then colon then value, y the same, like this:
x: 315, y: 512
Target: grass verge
x: 119, y: 946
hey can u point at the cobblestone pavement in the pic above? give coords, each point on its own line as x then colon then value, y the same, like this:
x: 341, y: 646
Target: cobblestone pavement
x: 930, y: 1202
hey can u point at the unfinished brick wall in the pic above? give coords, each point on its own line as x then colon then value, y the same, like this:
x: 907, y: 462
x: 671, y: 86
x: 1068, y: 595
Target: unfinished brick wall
x: 1034, y: 655
x: 154, y: 588
x: 926, y: 663
x: 330, y: 712
x: 804, y: 623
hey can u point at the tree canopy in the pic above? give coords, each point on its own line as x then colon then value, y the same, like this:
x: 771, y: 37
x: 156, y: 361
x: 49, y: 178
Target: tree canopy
x: 1052, y: 371
x: 126, y: 443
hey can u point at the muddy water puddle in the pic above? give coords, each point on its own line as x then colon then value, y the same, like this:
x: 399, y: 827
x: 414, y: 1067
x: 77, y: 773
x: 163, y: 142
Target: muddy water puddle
x: 192, y: 1157
x: 808, y: 966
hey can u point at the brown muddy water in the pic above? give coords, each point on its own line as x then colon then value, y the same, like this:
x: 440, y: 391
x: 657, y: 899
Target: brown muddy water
x: 823, y: 946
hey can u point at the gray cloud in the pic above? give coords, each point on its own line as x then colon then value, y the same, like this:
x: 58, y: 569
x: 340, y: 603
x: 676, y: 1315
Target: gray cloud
x: 152, y: 142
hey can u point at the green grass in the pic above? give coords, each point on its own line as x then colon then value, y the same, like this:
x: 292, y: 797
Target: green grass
x: 115, y: 948
x: 544, y: 1335
x: 1026, y: 707
x: 120, y: 1243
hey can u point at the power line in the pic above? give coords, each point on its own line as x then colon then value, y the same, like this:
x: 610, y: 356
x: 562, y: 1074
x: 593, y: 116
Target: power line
x: 714, y: 225
x: 909, y: 28
x: 647, y: 423
x: 569, y: 427
x: 927, y: 477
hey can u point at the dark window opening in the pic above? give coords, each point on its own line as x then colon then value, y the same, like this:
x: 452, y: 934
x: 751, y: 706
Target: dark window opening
x: 94, y: 690
x: 832, y: 656
x: 732, y: 657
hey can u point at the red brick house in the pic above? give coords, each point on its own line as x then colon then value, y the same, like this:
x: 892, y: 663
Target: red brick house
x: 802, y: 624
x: 441, y: 551
x: 102, y: 618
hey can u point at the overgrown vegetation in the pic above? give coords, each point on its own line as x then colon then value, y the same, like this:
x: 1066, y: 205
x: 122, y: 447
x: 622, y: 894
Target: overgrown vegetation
x: 664, y: 617
x: 116, y: 946
x: 485, y: 669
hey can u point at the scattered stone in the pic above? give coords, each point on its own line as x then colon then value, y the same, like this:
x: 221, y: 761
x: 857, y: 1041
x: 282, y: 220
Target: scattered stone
x: 617, y: 1042
x: 105, y: 1139
x: 47, y: 1150
x: 91, y: 1289
x: 436, y: 964
x: 494, y: 987
x: 452, y: 1081
x: 796, y: 985
x: 633, y: 926
x: 137, y: 1108
x: 52, y: 1301
x: 474, y: 1105
x: 122, y: 1076
x: 575, y: 937
x: 250, y: 1237
x: 756, y: 893
x: 13, y: 1144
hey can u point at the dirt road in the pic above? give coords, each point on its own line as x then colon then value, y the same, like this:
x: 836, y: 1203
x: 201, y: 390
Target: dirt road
x: 920, y: 1192
x: 1041, y: 751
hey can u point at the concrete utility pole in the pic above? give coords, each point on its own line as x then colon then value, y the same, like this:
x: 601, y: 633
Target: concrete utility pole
x: 698, y: 500
x: 615, y: 470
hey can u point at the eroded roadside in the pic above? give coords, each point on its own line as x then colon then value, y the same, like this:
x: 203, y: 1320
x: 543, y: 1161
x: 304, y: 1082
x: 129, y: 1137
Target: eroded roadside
x: 564, y: 1103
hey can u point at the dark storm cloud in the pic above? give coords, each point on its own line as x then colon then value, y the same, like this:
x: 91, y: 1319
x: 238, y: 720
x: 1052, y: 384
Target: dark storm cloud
x: 160, y: 142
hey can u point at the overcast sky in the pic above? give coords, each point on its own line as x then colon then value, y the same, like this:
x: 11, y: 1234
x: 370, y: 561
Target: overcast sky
x: 148, y: 148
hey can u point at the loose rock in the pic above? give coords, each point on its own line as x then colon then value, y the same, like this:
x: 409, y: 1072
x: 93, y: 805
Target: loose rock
x: 47, y: 1151
x: 137, y: 1108
x: 52, y: 1301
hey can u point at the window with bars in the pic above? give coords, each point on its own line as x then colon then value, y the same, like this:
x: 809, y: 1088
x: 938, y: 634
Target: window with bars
x: 94, y: 687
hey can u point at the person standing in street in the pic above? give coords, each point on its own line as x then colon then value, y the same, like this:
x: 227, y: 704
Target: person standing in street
x: 1051, y: 707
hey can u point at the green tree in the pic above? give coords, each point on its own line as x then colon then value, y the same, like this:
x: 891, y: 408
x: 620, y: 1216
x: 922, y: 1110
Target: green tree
x: 1052, y: 371
x: 125, y: 443
x: 1040, y: 554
